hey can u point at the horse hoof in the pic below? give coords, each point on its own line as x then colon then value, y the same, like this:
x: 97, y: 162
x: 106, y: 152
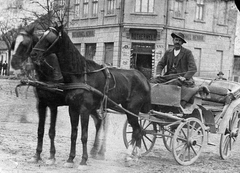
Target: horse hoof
x: 100, y: 157
x: 130, y: 161
x: 50, y: 161
x: 83, y: 167
x: 33, y: 160
x: 68, y: 165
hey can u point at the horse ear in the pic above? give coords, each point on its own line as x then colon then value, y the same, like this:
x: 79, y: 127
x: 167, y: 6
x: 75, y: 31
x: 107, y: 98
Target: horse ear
x: 237, y: 4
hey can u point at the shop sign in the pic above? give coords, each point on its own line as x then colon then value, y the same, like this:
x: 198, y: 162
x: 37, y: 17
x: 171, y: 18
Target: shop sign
x: 85, y: 33
x: 194, y: 37
x: 125, y: 59
x: 143, y: 34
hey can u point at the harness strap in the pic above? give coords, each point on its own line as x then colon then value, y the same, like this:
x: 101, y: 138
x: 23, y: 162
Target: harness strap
x: 103, y: 107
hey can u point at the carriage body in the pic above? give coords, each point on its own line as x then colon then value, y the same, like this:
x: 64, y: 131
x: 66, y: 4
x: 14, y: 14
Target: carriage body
x: 217, y: 113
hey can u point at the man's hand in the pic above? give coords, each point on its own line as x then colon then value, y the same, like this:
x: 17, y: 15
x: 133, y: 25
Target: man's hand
x: 157, y: 75
x: 182, y: 78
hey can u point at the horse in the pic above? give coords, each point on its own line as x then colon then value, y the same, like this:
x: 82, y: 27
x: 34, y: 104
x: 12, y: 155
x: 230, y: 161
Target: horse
x: 22, y: 46
x: 90, y: 83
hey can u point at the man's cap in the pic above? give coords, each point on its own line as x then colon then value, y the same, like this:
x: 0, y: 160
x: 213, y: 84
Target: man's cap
x: 220, y: 73
x: 179, y: 35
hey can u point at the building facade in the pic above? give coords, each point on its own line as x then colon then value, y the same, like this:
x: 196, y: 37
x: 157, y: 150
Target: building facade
x: 135, y: 34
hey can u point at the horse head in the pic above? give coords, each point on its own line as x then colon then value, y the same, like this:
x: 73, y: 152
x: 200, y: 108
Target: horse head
x: 46, y: 45
x: 22, y: 48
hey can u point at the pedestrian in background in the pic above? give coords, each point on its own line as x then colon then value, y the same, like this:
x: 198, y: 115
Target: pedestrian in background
x: 4, y: 66
x: 220, y: 76
x: 1, y: 65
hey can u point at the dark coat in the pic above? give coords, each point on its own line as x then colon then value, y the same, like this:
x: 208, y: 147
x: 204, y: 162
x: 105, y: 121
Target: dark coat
x: 185, y: 63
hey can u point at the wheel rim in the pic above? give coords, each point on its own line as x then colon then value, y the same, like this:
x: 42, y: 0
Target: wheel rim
x: 188, y: 141
x: 229, y: 138
x: 167, y: 138
x: 148, y: 133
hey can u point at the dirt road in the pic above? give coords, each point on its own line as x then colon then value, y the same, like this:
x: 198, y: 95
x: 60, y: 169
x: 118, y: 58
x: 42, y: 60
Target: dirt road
x: 18, y: 139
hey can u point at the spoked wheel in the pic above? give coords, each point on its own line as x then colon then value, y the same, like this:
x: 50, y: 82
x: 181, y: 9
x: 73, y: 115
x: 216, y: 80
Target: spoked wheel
x: 188, y: 141
x: 167, y: 138
x: 229, y: 138
x: 149, y: 130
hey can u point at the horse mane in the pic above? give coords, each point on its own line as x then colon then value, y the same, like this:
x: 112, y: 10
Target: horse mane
x: 71, y: 56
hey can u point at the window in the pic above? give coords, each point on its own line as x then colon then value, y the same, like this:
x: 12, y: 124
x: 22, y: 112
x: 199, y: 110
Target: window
x: 200, y: 10
x: 90, y: 51
x: 178, y: 8
x: 76, y: 8
x: 94, y: 8
x: 85, y: 8
x: 110, y: 6
x: 222, y: 13
x: 108, y: 59
x: 144, y: 6
x: 61, y: 6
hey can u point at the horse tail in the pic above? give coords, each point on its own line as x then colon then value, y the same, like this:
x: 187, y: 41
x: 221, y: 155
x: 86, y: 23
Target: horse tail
x: 146, y: 107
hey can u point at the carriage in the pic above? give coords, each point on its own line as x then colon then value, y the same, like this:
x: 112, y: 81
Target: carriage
x: 184, y: 126
x: 185, y: 131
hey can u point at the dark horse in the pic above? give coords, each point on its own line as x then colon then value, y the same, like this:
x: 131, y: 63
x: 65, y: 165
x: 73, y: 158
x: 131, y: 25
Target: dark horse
x: 128, y: 88
x: 23, y: 45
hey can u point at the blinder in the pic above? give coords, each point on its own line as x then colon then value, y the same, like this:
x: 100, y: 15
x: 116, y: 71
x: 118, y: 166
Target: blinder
x: 52, y: 36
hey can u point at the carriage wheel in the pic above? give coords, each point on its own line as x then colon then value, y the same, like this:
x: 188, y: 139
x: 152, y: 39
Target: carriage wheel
x: 149, y: 130
x: 229, y: 138
x: 188, y: 141
x: 167, y: 138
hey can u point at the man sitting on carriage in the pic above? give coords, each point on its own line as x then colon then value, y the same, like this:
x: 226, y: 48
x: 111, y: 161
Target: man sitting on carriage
x: 180, y: 64
x: 181, y: 67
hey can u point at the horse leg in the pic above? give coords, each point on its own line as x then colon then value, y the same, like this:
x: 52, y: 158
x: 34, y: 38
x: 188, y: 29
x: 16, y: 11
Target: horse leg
x: 52, y: 133
x: 102, y: 150
x: 135, y: 146
x: 98, y: 123
x: 74, y: 118
x: 41, y: 123
x: 84, y: 137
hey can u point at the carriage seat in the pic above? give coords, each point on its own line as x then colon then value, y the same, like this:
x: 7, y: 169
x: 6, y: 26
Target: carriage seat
x: 217, y: 95
x: 172, y: 95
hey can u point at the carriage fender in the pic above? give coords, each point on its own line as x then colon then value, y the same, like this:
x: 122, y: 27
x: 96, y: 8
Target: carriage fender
x: 228, y: 112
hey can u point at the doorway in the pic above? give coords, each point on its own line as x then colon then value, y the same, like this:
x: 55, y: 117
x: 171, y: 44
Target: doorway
x: 142, y: 58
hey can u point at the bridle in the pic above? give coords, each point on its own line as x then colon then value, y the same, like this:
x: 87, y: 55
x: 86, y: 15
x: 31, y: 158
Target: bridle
x: 52, y: 29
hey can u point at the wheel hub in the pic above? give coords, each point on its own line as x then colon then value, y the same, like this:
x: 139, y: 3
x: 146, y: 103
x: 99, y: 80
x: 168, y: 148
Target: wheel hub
x: 191, y: 142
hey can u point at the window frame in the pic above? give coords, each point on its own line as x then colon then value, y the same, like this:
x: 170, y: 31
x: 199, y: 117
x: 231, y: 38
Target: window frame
x: 200, y: 10
x: 225, y: 16
x: 139, y: 6
x: 85, y: 9
x: 112, y: 7
x: 76, y: 9
x: 178, y: 14
x: 95, y: 10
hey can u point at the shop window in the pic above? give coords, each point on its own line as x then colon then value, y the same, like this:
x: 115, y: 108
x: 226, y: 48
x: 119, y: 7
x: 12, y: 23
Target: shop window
x: 178, y: 8
x: 90, y: 51
x: 200, y: 10
x: 144, y: 6
x: 110, y: 7
x: 108, y: 59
